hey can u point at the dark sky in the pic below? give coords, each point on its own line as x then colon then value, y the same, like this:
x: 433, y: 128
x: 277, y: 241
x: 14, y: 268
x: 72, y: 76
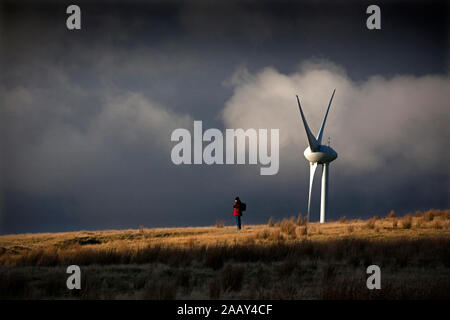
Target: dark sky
x: 86, y: 116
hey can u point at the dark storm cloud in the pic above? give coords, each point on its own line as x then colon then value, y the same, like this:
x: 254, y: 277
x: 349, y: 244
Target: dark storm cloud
x: 86, y: 116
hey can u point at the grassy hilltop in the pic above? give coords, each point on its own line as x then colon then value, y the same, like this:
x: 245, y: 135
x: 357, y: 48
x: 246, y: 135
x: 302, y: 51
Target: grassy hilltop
x: 285, y: 259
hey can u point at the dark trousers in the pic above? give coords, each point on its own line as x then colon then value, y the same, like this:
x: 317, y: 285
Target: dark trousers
x: 238, y: 222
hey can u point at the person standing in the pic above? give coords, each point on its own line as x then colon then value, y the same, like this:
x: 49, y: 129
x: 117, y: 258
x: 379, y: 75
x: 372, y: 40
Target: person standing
x: 238, y: 212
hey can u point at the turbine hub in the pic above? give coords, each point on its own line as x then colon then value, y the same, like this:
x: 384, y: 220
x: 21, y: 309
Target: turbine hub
x: 325, y: 154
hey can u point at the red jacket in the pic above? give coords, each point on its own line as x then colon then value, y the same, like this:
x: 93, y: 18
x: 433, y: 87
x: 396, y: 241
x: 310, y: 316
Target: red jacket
x: 237, y: 209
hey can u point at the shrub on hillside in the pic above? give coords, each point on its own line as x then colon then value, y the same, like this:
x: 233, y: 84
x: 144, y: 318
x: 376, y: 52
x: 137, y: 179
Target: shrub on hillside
x: 407, y: 222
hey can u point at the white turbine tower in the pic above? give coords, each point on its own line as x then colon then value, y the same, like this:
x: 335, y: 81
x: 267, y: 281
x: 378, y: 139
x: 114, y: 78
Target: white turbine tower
x: 317, y: 153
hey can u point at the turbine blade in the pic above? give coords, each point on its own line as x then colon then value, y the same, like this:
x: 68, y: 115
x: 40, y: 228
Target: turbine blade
x: 312, y: 170
x: 319, y: 136
x: 313, y: 144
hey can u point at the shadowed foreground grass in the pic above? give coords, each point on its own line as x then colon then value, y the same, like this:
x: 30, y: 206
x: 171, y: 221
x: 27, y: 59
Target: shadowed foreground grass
x: 287, y: 259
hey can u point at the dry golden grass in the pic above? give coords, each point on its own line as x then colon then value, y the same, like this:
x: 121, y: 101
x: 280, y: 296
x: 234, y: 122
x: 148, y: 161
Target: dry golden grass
x: 285, y: 259
x: 432, y: 223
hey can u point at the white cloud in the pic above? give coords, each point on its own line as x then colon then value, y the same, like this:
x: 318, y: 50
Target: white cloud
x: 401, y: 122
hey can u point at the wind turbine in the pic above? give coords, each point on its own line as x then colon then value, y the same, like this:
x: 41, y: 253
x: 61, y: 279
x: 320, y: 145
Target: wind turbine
x: 317, y: 153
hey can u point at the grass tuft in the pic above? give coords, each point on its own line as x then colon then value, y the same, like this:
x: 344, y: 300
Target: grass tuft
x: 406, y: 222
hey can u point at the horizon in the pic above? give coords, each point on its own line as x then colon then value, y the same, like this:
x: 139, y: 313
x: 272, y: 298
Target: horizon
x: 232, y: 223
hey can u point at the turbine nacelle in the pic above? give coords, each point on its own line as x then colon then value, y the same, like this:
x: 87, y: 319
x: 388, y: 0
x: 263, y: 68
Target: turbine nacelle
x: 324, y: 154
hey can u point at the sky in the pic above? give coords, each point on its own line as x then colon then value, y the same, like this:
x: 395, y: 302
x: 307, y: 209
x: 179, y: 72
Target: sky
x: 86, y: 115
